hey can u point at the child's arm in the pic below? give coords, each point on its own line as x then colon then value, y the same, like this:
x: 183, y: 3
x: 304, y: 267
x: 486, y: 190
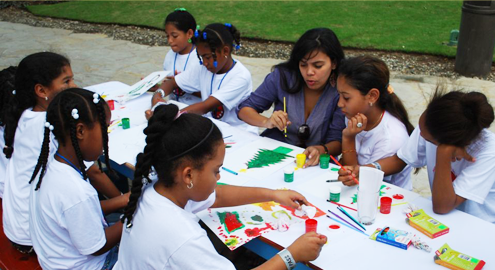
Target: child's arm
x: 444, y: 197
x: 100, y: 181
x: 114, y: 204
x: 234, y: 195
x: 168, y: 86
x: 390, y: 165
x: 313, y: 152
x: 203, y: 107
x: 349, y: 154
x: 112, y: 235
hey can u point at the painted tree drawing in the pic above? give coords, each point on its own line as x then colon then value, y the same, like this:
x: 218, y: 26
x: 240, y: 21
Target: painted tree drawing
x: 266, y: 157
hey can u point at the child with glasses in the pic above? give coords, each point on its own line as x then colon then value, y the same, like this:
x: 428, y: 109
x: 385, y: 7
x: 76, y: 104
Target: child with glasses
x: 309, y: 116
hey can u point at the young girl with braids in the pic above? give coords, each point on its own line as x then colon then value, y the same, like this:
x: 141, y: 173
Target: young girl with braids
x: 453, y: 141
x: 179, y: 28
x: 222, y: 81
x: 67, y: 226
x: 185, y: 152
x: 38, y: 79
x: 302, y: 91
x: 377, y: 122
x: 6, y: 85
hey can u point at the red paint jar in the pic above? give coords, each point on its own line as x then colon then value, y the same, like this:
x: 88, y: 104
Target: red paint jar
x: 111, y: 104
x: 385, y: 205
x: 311, y: 225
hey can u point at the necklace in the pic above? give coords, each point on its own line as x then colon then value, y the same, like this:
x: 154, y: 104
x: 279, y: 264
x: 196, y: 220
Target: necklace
x: 185, y: 65
x: 213, y: 76
x: 372, y: 127
x: 68, y: 162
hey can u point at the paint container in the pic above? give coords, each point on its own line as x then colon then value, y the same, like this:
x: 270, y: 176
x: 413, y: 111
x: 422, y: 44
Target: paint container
x: 111, y: 104
x: 324, y: 161
x: 289, y: 175
x: 126, y: 123
x: 385, y: 205
x: 300, y: 160
x: 398, y: 197
x: 311, y: 225
x: 335, y: 193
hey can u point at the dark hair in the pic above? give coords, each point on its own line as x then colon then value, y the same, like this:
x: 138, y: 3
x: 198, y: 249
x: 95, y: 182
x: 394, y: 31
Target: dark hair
x: 7, y: 78
x: 59, y: 115
x: 457, y: 118
x: 365, y: 73
x: 38, y: 68
x: 169, y: 143
x: 314, y: 40
x: 182, y: 20
x: 217, y: 35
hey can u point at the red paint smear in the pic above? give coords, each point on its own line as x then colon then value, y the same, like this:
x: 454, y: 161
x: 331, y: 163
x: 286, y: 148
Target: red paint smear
x: 219, y: 227
x: 319, y: 213
x: 257, y: 231
x: 334, y: 227
x: 231, y: 222
x: 398, y: 196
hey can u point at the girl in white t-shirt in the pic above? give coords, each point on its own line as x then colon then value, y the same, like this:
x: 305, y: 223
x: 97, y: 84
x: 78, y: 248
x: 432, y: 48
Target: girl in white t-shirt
x: 186, y: 152
x: 38, y: 79
x: 222, y: 81
x: 377, y: 122
x: 453, y: 141
x: 6, y: 85
x: 179, y: 28
x: 66, y: 220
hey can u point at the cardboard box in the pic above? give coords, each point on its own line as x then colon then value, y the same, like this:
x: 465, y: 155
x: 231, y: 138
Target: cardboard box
x: 426, y: 224
x: 452, y: 259
x: 393, y: 237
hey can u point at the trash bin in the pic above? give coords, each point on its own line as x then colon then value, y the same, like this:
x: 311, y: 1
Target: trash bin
x: 476, y: 39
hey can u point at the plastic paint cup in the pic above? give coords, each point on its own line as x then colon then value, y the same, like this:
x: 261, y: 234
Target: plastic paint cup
x: 324, y: 161
x: 335, y: 193
x: 289, y: 175
x: 311, y: 225
x: 385, y: 205
x: 126, y: 123
x: 300, y: 160
x: 111, y: 104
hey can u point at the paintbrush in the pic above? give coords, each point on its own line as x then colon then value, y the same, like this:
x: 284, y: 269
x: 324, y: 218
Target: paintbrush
x: 349, y: 216
x: 344, y: 220
x: 342, y: 167
x: 341, y: 205
x: 353, y: 228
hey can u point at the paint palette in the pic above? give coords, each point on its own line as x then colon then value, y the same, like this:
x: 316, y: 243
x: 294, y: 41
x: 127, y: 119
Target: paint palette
x: 238, y: 225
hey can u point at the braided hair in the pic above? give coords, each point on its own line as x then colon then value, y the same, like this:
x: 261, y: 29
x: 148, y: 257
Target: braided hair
x: 39, y: 68
x: 169, y: 143
x: 7, y: 77
x: 216, y: 36
x: 60, y: 116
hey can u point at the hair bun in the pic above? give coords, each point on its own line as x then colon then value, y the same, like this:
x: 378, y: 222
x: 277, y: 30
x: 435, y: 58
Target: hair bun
x: 477, y: 109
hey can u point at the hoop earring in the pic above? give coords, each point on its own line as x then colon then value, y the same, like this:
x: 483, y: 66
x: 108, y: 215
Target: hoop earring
x: 190, y: 185
x: 189, y: 40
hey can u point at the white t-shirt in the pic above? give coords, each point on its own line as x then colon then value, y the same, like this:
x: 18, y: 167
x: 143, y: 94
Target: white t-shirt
x: 229, y: 88
x: 27, y: 148
x: 66, y: 220
x: 3, y: 162
x: 165, y: 236
x: 384, y: 141
x: 182, y: 63
x: 474, y: 181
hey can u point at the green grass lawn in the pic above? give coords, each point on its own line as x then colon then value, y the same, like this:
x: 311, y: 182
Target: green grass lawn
x: 409, y: 26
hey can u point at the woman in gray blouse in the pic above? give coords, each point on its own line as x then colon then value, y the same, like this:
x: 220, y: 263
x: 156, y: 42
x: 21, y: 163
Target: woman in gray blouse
x: 307, y: 82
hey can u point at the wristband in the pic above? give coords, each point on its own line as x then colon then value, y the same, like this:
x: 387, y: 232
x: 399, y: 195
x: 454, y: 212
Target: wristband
x: 162, y: 93
x: 158, y: 104
x: 288, y: 259
x: 376, y: 165
x: 325, y: 147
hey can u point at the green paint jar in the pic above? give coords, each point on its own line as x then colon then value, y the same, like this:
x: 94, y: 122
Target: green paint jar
x: 335, y: 193
x: 289, y: 175
x: 324, y: 161
x: 126, y: 123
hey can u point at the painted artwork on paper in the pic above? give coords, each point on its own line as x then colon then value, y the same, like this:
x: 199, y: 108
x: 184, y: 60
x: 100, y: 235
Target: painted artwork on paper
x: 262, y: 157
x: 238, y: 225
x: 138, y: 88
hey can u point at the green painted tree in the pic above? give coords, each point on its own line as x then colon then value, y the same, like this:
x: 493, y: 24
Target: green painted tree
x: 266, y: 157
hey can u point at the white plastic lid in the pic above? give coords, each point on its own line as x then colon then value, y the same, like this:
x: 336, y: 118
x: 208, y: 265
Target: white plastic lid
x: 335, y: 189
x: 289, y: 170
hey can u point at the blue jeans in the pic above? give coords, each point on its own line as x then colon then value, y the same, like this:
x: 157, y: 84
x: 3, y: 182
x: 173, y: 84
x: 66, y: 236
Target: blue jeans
x: 111, y: 259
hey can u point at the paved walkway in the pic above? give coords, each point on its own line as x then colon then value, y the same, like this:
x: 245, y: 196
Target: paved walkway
x: 96, y: 58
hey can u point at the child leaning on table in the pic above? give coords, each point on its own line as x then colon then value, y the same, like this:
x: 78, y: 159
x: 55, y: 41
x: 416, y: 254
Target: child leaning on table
x: 66, y: 220
x: 161, y: 230
x: 453, y: 141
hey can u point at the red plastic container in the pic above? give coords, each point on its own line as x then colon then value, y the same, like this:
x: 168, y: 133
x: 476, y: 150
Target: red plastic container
x: 311, y: 225
x: 111, y: 104
x: 385, y: 205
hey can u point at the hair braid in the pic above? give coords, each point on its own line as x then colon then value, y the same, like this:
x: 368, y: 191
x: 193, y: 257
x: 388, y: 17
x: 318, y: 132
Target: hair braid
x: 77, y: 149
x: 100, y: 107
x: 42, y: 159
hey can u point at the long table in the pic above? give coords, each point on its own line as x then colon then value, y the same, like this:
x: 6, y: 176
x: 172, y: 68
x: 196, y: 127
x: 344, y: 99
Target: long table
x: 346, y: 249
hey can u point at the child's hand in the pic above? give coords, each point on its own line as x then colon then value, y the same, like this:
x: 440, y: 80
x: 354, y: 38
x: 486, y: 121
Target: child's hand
x: 346, y: 176
x: 307, y: 247
x: 290, y: 198
x: 454, y: 153
x: 355, y: 125
x: 279, y: 119
x: 148, y: 114
x: 313, y: 154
